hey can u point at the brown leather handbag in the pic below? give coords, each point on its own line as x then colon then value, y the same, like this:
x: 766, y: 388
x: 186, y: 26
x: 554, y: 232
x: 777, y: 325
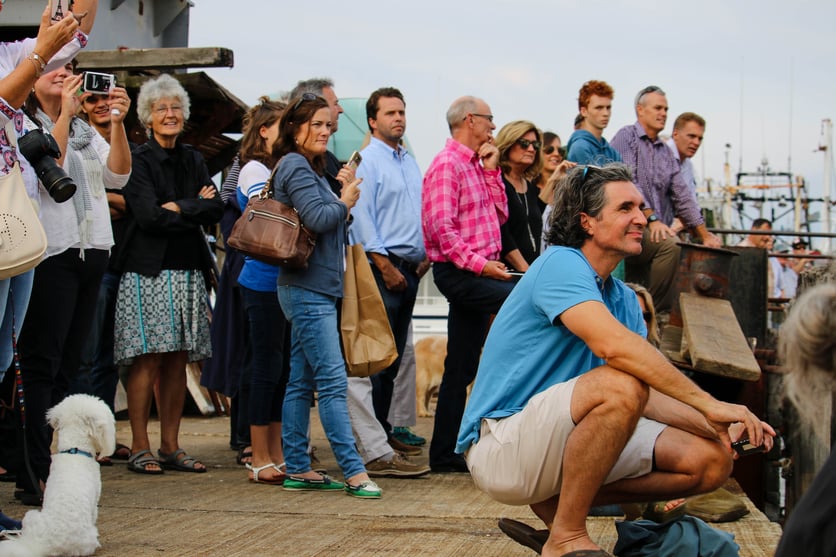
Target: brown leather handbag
x: 272, y: 232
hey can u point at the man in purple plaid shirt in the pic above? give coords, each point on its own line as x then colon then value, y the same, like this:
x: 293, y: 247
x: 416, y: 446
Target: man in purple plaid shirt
x: 463, y: 206
x: 656, y: 173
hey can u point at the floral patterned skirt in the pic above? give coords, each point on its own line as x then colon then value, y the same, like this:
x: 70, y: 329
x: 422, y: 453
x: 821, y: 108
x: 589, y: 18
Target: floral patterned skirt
x: 166, y: 313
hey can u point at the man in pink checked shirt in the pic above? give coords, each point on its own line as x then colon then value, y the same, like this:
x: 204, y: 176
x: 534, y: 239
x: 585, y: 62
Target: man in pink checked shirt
x: 463, y: 205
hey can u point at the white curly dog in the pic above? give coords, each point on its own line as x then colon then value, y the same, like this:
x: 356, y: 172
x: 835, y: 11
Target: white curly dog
x: 66, y: 524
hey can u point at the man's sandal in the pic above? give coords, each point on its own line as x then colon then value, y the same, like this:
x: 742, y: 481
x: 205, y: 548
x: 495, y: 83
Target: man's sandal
x: 276, y: 480
x: 179, y: 460
x: 139, y: 463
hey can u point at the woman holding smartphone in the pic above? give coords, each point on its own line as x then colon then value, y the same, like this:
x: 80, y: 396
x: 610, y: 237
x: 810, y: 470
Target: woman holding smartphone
x: 309, y: 299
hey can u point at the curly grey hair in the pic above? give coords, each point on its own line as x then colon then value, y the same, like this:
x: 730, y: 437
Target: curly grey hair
x: 158, y: 88
x: 807, y: 345
x: 581, y: 191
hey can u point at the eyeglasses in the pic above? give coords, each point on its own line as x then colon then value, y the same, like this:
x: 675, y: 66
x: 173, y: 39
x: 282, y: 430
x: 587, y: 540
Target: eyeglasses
x: 525, y: 143
x: 303, y: 98
x: 646, y: 91
x: 549, y: 149
x: 163, y: 110
x: 647, y: 316
x: 488, y: 117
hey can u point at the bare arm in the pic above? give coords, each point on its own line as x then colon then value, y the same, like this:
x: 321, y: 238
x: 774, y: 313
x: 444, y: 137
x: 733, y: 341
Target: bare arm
x: 626, y: 351
x: 89, y: 7
x: 119, y: 158
x: 15, y: 87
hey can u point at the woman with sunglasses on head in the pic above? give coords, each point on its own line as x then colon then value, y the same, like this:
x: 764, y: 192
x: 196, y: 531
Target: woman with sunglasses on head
x: 161, y: 309
x: 520, y: 158
x: 309, y: 298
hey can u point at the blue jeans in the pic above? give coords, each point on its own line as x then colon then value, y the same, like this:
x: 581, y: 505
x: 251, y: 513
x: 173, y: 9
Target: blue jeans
x: 269, y: 365
x: 15, y: 290
x: 316, y: 364
x: 472, y: 300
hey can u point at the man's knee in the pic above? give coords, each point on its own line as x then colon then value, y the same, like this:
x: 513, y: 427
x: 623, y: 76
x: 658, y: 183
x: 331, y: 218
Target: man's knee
x: 610, y: 388
x: 715, y: 468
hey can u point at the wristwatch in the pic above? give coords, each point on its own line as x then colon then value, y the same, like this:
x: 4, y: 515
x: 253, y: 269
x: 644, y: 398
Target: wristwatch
x: 651, y: 218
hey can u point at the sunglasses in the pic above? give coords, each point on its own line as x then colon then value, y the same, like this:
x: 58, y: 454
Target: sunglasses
x: 646, y: 91
x: 549, y: 149
x: 586, y: 172
x: 525, y: 144
x: 647, y: 316
x: 303, y: 98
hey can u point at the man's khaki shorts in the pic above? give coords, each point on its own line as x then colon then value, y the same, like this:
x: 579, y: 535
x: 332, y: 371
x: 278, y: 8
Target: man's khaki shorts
x: 518, y: 460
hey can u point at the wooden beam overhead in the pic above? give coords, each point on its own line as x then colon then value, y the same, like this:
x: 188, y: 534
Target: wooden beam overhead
x: 155, y: 59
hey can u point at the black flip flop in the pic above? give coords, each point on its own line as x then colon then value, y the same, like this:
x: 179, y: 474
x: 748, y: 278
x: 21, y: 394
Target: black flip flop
x: 524, y: 534
x: 535, y: 539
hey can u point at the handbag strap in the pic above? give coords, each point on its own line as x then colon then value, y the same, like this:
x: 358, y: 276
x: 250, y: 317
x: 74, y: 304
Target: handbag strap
x: 267, y: 192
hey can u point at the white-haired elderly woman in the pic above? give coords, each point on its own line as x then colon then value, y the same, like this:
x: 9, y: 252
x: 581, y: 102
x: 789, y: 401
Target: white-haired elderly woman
x: 161, y: 313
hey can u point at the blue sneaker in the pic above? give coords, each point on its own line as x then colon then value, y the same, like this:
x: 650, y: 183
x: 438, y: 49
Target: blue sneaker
x: 408, y: 437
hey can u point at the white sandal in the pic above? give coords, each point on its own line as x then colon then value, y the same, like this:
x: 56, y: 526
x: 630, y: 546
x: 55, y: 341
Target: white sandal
x: 256, y: 470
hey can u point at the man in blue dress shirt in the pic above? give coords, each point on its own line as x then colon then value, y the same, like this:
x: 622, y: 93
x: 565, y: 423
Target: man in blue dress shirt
x: 387, y: 221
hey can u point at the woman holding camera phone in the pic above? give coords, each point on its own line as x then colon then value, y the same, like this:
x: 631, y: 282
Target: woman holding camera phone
x: 21, y: 63
x: 309, y: 298
x: 79, y: 238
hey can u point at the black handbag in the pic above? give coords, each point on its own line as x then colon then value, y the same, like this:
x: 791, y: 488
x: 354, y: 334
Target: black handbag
x: 272, y: 232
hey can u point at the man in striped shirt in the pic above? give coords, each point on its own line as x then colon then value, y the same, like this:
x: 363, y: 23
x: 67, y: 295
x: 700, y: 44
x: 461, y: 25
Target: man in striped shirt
x: 666, y: 195
x: 463, y: 206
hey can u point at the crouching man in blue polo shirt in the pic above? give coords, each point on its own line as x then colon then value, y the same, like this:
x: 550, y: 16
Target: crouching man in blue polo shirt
x: 571, y: 406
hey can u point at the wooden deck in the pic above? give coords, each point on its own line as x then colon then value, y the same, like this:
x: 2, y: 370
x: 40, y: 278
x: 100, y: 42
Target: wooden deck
x: 221, y: 513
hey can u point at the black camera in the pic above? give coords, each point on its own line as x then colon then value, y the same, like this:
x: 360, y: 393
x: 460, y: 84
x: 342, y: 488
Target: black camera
x: 41, y: 150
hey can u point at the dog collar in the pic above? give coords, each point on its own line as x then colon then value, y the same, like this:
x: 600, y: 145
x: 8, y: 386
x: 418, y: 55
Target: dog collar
x: 76, y: 450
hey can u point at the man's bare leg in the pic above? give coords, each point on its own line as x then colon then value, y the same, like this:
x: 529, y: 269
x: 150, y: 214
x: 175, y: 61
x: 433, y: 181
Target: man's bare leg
x: 686, y: 464
x: 606, y: 405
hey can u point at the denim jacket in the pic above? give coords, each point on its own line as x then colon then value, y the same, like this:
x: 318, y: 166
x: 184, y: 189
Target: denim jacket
x: 297, y: 185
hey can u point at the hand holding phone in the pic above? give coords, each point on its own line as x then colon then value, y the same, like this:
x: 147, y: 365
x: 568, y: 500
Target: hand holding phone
x: 744, y: 447
x: 354, y: 160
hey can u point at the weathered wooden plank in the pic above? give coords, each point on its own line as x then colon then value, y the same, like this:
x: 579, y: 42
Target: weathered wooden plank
x: 155, y: 59
x: 715, y: 341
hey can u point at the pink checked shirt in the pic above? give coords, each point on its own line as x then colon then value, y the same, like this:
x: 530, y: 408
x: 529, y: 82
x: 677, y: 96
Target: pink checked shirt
x: 463, y: 205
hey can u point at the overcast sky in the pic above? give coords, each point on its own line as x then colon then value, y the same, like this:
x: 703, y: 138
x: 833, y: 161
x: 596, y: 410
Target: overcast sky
x: 764, y: 66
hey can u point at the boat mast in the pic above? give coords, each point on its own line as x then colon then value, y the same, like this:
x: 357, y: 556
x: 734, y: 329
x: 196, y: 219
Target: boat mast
x: 827, y: 178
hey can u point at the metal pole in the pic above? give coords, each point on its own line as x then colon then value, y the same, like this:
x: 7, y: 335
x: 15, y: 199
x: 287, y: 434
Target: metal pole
x: 827, y: 179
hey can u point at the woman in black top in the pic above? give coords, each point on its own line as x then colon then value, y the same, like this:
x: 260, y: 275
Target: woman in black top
x: 520, y: 158
x: 161, y: 311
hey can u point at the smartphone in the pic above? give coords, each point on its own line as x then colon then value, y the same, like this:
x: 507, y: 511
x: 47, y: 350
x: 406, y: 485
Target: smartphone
x: 99, y: 83
x: 516, y: 273
x: 745, y: 447
x: 58, y: 9
x: 354, y: 160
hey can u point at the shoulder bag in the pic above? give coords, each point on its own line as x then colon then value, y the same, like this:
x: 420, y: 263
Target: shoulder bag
x: 368, y: 342
x: 272, y: 232
x: 22, y: 237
